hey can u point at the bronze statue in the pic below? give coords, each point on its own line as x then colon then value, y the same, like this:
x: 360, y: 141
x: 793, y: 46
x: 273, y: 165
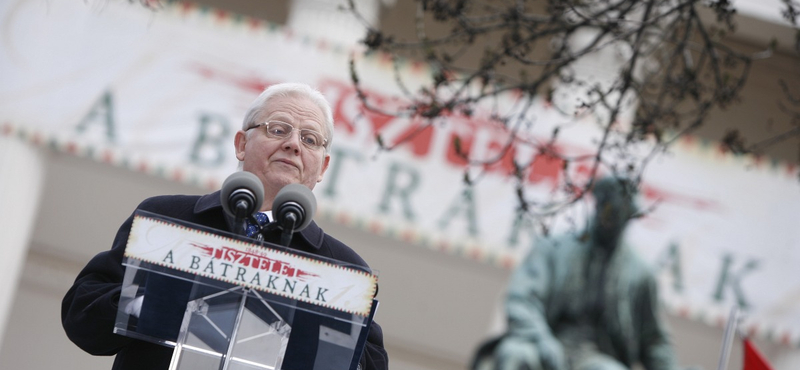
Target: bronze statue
x: 583, y: 301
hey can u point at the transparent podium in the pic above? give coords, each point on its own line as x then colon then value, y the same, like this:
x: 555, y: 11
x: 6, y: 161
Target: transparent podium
x: 226, y: 302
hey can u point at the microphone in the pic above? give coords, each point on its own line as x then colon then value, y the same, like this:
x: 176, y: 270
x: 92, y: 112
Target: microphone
x: 293, y: 209
x: 241, y: 195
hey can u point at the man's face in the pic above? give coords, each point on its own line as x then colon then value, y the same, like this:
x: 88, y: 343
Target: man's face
x: 279, y: 162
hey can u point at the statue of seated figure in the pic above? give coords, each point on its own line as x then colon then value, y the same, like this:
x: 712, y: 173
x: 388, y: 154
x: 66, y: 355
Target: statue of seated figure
x: 583, y: 301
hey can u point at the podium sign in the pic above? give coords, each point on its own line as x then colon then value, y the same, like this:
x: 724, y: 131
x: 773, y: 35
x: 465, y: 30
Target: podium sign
x: 228, y: 302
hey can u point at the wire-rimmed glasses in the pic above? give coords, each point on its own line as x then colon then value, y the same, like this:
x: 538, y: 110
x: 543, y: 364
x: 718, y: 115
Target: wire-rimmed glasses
x: 282, y: 130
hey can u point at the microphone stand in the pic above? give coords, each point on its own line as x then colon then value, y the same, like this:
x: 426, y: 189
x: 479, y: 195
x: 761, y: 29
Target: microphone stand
x: 287, y: 229
x: 240, y: 215
x: 287, y: 217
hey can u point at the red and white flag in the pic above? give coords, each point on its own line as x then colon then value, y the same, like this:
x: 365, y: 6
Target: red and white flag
x: 753, y: 359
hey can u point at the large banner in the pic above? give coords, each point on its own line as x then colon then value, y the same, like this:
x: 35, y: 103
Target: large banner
x: 163, y: 92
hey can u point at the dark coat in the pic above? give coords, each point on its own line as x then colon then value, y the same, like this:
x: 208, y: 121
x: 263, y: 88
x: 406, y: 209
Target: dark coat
x: 89, y: 309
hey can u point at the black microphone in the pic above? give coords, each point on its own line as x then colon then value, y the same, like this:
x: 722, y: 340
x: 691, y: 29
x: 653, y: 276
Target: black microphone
x: 293, y: 209
x: 242, y: 195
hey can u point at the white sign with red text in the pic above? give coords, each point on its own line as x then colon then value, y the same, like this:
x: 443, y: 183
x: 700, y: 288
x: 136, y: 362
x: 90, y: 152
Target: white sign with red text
x: 298, y: 277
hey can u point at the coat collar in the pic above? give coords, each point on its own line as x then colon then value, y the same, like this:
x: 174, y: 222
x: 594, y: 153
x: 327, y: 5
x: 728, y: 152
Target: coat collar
x: 312, y: 234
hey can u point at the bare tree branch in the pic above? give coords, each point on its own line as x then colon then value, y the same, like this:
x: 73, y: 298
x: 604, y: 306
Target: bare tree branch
x: 674, y: 68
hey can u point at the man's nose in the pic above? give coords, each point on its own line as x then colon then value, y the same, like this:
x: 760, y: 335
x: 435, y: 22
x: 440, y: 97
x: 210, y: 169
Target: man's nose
x: 292, y: 141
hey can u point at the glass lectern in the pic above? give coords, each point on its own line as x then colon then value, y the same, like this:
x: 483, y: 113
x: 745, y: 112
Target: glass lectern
x: 227, y: 302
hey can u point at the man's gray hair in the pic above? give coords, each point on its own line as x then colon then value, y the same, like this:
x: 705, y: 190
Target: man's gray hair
x: 289, y: 89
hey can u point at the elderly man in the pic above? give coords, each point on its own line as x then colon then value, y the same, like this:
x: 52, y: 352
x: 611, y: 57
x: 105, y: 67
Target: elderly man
x: 284, y: 140
x: 583, y: 301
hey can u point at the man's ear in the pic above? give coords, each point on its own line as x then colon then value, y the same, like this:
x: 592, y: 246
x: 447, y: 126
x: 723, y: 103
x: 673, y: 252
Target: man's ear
x: 239, y: 141
x: 325, y: 162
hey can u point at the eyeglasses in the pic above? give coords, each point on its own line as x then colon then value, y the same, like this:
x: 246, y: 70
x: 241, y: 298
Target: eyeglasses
x: 282, y: 130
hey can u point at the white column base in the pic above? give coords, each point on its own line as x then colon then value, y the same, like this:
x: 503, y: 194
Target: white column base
x: 21, y: 175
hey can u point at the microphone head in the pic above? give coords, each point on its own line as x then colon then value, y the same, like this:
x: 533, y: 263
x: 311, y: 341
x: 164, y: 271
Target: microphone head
x: 302, y: 197
x: 239, y: 185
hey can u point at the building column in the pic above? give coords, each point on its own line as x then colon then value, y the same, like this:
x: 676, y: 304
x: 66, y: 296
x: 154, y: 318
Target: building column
x: 21, y: 174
